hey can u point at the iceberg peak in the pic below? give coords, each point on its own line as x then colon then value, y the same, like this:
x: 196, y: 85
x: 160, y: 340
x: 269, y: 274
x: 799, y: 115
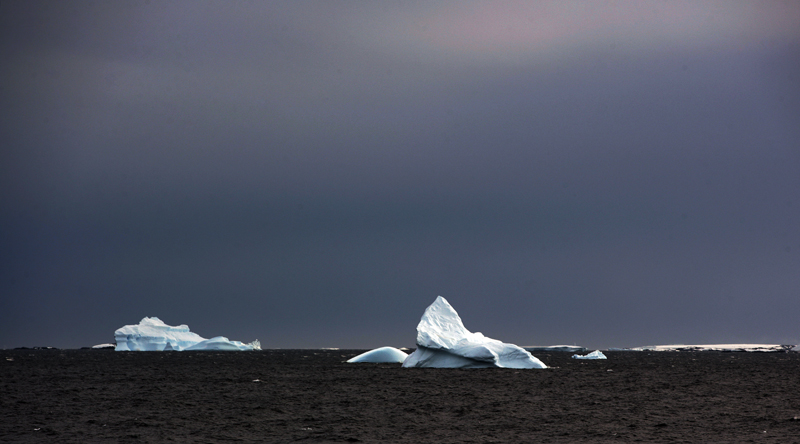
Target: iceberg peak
x: 443, y: 327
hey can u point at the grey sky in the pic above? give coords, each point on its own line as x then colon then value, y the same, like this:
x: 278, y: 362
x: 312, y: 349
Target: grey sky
x: 314, y: 174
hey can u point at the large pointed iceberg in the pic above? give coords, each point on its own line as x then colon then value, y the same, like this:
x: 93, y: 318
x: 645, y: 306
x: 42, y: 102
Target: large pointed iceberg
x: 443, y: 341
x: 381, y: 355
x: 152, y: 334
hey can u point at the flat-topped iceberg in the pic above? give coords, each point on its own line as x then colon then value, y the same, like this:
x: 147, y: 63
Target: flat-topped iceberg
x: 597, y: 354
x: 443, y: 341
x: 152, y: 334
x: 381, y: 355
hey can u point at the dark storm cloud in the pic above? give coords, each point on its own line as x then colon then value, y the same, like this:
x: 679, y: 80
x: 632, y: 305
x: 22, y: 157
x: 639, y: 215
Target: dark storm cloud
x: 315, y: 174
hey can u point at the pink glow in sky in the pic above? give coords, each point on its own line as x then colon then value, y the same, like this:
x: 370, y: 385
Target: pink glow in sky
x: 516, y: 29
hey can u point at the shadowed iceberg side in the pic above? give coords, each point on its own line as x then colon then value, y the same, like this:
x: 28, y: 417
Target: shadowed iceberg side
x: 443, y: 341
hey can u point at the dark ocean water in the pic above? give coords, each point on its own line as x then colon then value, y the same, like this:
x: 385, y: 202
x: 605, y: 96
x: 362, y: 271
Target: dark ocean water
x: 314, y: 396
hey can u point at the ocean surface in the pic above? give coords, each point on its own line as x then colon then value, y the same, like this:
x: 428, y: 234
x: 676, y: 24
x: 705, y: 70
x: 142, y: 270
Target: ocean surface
x: 313, y: 396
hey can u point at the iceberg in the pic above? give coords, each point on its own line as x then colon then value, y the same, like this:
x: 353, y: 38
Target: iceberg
x: 444, y: 342
x: 381, y: 355
x: 597, y: 354
x: 152, y: 334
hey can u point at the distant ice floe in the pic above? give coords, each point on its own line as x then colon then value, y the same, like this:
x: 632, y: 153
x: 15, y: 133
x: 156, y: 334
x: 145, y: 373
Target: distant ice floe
x: 717, y: 347
x: 555, y: 348
x: 381, y: 355
x: 443, y: 341
x: 597, y: 354
x: 152, y: 334
x: 103, y: 346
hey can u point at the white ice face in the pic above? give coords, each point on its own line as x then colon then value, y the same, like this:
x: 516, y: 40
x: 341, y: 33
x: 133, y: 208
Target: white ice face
x: 152, y: 334
x: 381, y: 355
x: 443, y: 341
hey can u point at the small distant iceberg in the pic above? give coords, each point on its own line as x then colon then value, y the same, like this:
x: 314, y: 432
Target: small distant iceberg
x: 444, y: 342
x: 383, y: 355
x: 597, y: 354
x: 152, y: 334
x: 103, y: 346
x: 555, y: 348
